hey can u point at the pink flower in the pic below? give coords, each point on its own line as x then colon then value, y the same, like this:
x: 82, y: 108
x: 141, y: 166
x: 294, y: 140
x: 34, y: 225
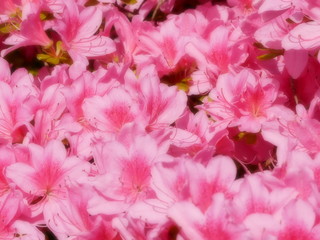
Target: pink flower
x: 50, y: 121
x: 125, y: 174
x: 306, y: 132
x: 305, y: 36
x: 216, y: 177
x: 31, y: 32
x: 298, y: 222
x: 10, y: 207
x: 161, y: 105
x: 197, y: 136
x: 261, y: 226
x: 26, y: 231
x: 69, y: 217
x: 125, y: 31
x: 214, y: 223
x: 216, y: 53
x: 252, y: 196
x: 108, y: 147
x: 271, y: 33
x: 77, y: 30
x: 163, y: 47
x: 79, y: 95
x: 170, y: 183
x: 10, y: 214
x: 7, y: 158
x: 43, y: 177
x: 271, y: 9
x: 18, y: 103
x: 111, y: 112
x: 244, y: 100
x: 302, y: 131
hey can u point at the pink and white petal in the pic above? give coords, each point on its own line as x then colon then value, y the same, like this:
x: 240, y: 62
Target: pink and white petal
x: 248, y: 124
x: 183, y: 138
x: 200, y: 83
x: 55, y: 152
x: 10, y: 206
x: 316, y: 231
x: 93, y: 46
x: 53, y: 100
x: 99, y: 205
x: 172, y: 105
x: 201, y: 190
x: 146, y: 212
x: 90, y: 20
x: 24, y: 176
x: 36, y: 155
x: 71, y: 12
x: 261, y: 226
x: 222, y: 170
x: 299, y: 213
x: 189, y: 218
x: 144, y: 146
x: 108, y: 157
x: 5, y: 71
x: 216, y: 213
x: 163, y: 186
x: 16, y: 41
x: 27, y: 231
x: 305, y: 36
x: 93, y: 110
x: 274, y: 8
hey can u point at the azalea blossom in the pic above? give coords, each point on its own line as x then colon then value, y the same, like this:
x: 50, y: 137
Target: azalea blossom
x: 159, y: 119
x: 77, y: 31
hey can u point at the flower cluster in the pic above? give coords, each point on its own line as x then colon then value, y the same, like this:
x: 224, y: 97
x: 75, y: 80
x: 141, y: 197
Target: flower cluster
x: 160, y: 119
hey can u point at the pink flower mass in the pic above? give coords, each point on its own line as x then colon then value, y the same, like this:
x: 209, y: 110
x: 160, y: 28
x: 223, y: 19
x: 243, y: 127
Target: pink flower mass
x: 159, y: 120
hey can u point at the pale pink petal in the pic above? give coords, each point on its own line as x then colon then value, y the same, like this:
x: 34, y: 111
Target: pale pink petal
x: 223, y: 170
x: 272, y: 8
x: 92, y: 46
x: 189, y: 218
x: 5, y: 71
x: 98, y: 205
x: 305, y: 36
x: 90, y: 20
x: 261, y: 226
x: 299, y: 213
x: 9, y: 207
x: 55, y: 152
x: 27, y: 231
x: 147, y: 212
x: 24, y: 176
